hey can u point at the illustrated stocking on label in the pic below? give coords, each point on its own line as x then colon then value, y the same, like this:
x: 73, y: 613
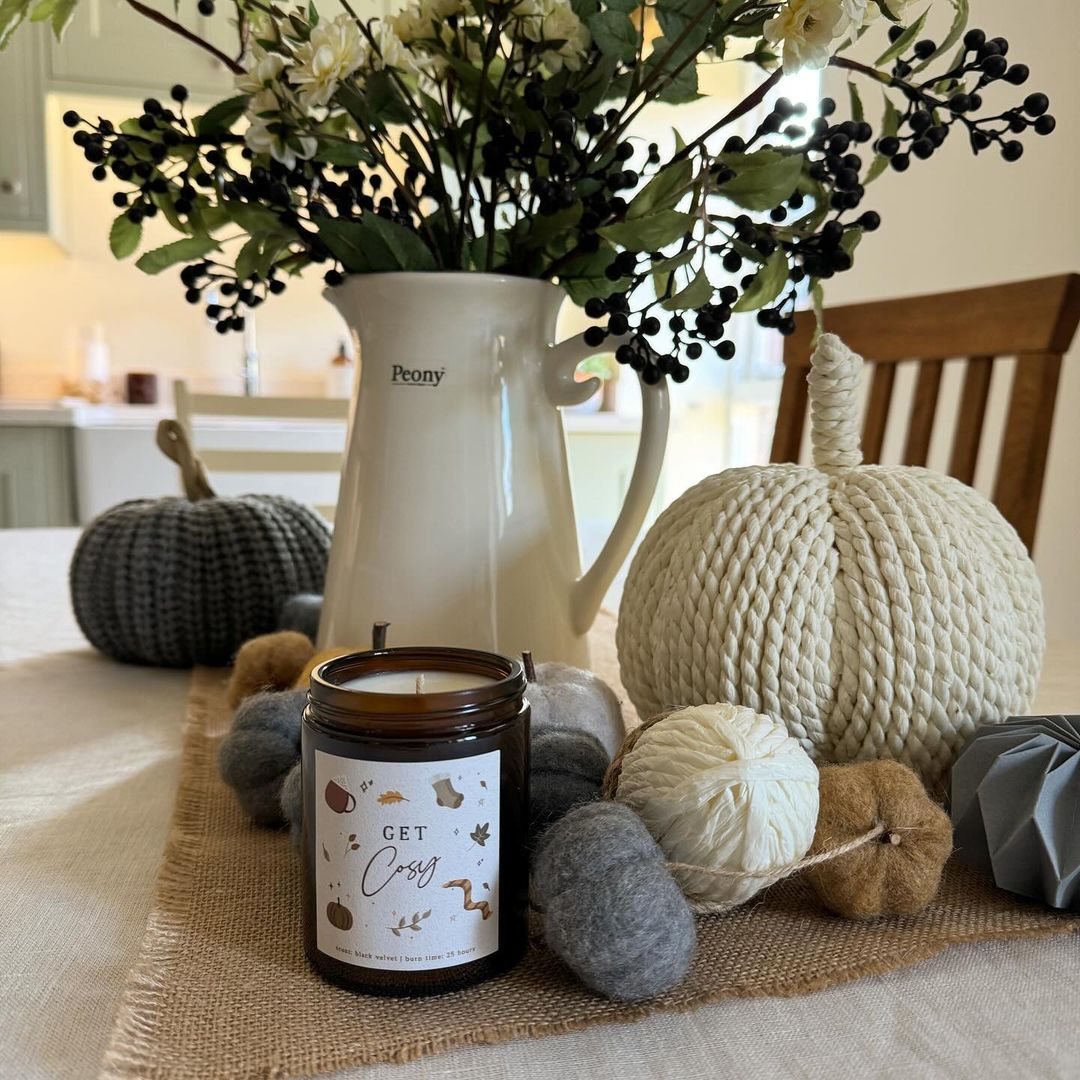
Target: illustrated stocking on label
x: 445, y: 795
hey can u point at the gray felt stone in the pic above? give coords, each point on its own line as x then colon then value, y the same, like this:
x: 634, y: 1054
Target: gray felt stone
x: 585, y: 844
x: 574, y: 699
x: 302, y: 613
x: 262, y: 746
x: 627, y: 933
x: 292, y: 804
x: 566, y: 768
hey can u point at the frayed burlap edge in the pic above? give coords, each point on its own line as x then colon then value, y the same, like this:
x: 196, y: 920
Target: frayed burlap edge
x: 131, y: 1046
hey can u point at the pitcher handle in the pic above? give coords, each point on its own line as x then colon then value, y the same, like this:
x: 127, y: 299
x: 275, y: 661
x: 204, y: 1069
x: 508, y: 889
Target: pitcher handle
x: 562, y: 389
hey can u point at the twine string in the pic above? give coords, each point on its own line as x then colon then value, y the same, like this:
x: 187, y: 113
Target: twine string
x: 880, y: 832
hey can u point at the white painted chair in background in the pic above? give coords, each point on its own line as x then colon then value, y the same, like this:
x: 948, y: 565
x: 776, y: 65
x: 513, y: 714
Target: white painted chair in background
x: 191, y: 405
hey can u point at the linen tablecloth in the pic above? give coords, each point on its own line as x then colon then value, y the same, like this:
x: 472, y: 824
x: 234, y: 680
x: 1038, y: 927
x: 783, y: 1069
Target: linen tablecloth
x: 88, y: 761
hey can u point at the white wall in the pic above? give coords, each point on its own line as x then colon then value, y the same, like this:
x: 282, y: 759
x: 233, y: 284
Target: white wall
x: 956, y: 221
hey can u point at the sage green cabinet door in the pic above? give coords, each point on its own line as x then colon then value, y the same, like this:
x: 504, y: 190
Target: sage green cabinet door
x: 36, y: 477
x: 23, y: 202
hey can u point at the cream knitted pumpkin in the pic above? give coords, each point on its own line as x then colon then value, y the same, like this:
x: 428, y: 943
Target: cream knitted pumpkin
x: 879, y: 612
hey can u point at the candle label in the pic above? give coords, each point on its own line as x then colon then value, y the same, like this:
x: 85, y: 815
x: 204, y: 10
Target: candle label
x: 407, y: 861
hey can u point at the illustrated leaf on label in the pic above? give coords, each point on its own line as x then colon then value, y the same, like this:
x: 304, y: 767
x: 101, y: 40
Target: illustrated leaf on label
x: 427, y: 914
x: 395, y: 931
x: 483, y: 783
x: 389, y: 797
x: 481, y: 834
x: 352, y: 836
x: 325, y: 853
x: 402, y: 922
x: 354, y: 847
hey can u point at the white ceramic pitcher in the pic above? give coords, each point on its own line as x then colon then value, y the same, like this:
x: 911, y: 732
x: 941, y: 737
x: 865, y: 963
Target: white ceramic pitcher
x: 454, y: 520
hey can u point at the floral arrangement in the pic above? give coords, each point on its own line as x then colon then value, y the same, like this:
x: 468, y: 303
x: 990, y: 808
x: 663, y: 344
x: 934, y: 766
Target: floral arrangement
x: 495, y: 136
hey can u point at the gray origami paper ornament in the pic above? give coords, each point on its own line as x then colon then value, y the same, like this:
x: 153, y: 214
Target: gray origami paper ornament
x: 1015, y: 798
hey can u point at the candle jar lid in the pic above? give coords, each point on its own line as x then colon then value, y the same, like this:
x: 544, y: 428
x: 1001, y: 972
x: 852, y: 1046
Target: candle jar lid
x: 409, y: 715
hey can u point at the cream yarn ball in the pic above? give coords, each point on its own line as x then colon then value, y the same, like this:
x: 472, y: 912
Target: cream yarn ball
x: 877, y: 611
x: 723, y: 787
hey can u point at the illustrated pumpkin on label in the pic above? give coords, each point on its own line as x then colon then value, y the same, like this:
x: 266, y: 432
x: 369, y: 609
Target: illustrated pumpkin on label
x: 875, y: 611
x: 182, y: 581
x: 339, y: 915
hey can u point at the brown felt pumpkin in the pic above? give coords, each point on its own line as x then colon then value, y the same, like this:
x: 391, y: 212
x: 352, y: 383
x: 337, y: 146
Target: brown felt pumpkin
x: 897, y: 874
x: 339, y: 915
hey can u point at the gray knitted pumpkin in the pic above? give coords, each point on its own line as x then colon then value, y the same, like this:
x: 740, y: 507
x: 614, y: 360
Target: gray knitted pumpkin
x: 182, y: 581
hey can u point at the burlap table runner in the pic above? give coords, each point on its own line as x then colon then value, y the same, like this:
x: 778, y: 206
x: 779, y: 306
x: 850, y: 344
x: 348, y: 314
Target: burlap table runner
x: 222, y: 988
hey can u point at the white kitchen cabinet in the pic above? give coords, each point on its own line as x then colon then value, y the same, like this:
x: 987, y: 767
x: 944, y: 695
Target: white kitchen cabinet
x: 23, y: 199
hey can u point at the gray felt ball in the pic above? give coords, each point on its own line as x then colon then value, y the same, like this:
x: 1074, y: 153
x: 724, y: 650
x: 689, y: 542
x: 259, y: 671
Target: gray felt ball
x: 262, y: 746
x: 292, y: 804
x: 587, y: 842
x: 566, y: 768
x: 562, y: 696
x: 612, y: 911
x: 628, y: 935
x: 301, y: 612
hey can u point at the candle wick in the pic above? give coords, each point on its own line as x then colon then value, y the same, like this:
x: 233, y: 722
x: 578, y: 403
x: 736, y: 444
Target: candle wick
x: 420, y: 683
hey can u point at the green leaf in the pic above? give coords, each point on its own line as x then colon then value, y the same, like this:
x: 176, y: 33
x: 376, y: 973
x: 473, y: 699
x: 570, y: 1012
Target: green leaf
x: 220, y: 118
x: 253, y: 218
x: 57, y: 12
x: 124, y: 236
x: 697, y: 293
x: 629, y: 6
x: 374, y: 245
x: 767, y: 283
x: 857, y: 113
x: 186, y: 250
x: 651, y: 232
x: 890, y: 124
x: 664, y: 190
x: 615, y: 35
x: 762, y: 179
x: 385, y: 100
x: 903, y: 41
x: 259, y: 253
x: 585, y: 277
x: 333, y: 152
x: 12, y: 13
x: 312, y: 13
x: 850, y: 240
x: 959, y: 24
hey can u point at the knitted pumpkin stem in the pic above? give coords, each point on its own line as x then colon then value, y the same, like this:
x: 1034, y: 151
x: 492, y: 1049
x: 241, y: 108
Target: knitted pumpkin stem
x: 173, y: 442
x: 834, y: 404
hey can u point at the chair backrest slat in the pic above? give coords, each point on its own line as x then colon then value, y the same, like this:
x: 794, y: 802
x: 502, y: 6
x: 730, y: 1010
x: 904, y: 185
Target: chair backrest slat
x: 877, y: 412
x: 189, y: 406
x: 970, y: 417
x: 1031, y: 320
x: 923, y: 411
x: 1026, y: 442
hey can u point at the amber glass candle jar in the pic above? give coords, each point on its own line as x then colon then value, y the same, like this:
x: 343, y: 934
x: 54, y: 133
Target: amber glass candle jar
x: 415, y: 778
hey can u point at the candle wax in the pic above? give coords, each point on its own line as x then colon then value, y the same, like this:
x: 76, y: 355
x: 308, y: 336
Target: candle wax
x: 405, y: 682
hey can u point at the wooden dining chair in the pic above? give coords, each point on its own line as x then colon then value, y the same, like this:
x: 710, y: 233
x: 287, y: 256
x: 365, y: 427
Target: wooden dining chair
x: 1031, y: 320
x: 189, y: 405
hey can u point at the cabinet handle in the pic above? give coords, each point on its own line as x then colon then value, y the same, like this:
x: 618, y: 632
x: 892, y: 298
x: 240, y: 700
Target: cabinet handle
x: 10, y: 187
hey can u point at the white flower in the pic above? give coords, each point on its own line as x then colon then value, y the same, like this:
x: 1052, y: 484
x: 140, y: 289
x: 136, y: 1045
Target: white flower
x: 391, y: 51
x: 260, y: 69
x: 333, y: 52
x: 264, y: 112
x: 807, y: 28
x: 554, y: 20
